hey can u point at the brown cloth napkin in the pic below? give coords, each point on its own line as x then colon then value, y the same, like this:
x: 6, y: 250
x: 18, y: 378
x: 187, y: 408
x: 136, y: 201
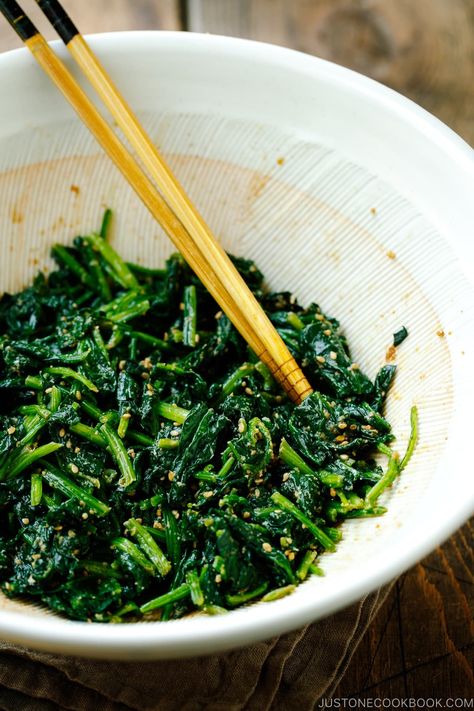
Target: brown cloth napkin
x: 289, y: 672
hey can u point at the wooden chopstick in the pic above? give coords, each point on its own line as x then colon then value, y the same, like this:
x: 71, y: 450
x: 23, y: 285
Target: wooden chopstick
x: 172, y: 208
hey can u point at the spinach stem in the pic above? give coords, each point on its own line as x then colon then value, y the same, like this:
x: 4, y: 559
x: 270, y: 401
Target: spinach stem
x: 289, y: 456
x: 70, y: 373
x: 148, y: 546
x: 27, y: 457
x: 129, y: 549
x: 192, y: 579
x: 295, y: 321
x: 167, y: 443
x: 189, y: 316
x: 287, y: 505
x: 106, y: 222
x: 386, y: 480
x: 241, y: 598
x: 119, y: 455
x: 88, y: 433
x: 235, y: 378
x: 304, y: 566
x: 57, y: 480
x: 36, y: 489
x: 64, y: 257
x: 172, y: 412
x: 413, y: 439
x: 278, y: 593
x: 115, y: 262
x: 172, y: 596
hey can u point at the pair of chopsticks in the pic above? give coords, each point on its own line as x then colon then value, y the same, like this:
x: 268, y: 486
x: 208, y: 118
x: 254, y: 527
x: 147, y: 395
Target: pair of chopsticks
x: 167, y: 202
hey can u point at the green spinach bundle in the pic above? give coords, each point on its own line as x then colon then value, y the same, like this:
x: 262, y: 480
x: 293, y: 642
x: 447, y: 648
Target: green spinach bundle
x: 149, y: 463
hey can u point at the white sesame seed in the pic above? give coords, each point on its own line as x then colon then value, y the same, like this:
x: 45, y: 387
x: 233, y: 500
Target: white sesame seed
x: 11, y: 430
x: 25, y: 521
x: 333, y: 355
x: 321, y: 359
x: 170, y: 475
x: 267, y: 547
x: 74, y: 468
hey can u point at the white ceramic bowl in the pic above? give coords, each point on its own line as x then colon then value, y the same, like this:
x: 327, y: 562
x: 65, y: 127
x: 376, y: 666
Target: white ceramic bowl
x: 322, y: 176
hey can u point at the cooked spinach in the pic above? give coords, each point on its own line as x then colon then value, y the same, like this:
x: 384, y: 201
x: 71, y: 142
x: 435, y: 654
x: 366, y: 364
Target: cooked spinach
x: 149, y: 461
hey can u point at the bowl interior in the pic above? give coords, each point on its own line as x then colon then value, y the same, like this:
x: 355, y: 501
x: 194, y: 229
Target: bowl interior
x: 332, y: 221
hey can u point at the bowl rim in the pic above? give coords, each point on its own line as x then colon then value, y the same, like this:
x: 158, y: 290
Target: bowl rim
x: 200, y: 635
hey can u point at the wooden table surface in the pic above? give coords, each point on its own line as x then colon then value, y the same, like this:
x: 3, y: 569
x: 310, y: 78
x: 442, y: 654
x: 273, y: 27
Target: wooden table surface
x: 421, y: 643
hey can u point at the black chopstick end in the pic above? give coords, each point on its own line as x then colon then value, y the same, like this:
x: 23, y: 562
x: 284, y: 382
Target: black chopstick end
x: 59, y: 18
x: 18, y: 20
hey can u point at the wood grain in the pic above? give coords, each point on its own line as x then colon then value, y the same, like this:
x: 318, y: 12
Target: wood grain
x: 423, y: 49
x: 101, y: 16
x: 421, y: 643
